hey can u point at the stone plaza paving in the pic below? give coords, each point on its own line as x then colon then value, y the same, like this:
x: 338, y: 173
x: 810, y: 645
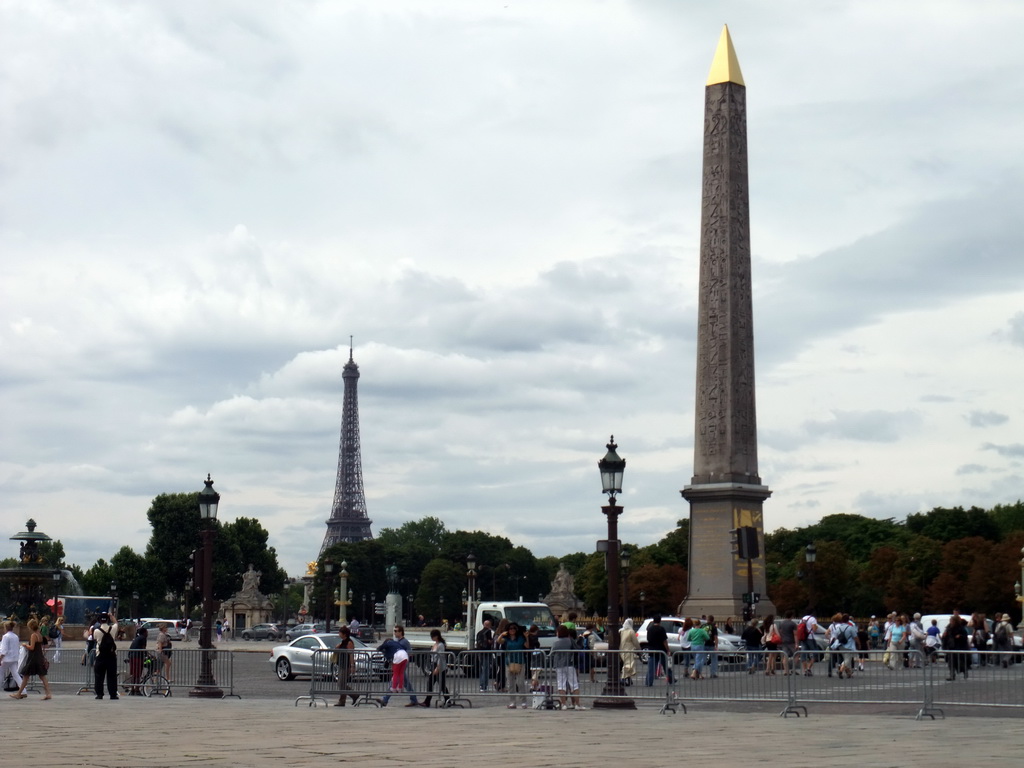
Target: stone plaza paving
x: 132, y: 732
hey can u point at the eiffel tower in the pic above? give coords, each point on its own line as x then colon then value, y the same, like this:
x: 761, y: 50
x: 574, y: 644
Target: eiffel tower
x: 348, y: 521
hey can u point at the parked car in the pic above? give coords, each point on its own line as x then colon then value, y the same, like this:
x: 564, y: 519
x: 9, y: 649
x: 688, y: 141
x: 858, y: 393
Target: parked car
x: 263, y: 632
x: 304, y: 629
x: 296, y: 658
x: 175, y: 631
x: 730, y: 646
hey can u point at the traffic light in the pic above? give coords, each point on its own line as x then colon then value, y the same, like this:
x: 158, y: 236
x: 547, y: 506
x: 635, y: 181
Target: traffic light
x: 749, y: 548
x: 744, y: 542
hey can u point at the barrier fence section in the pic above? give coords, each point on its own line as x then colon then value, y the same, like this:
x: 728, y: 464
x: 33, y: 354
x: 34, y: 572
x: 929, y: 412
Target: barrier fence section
x: 843, y: 676
x: 73, y: 668
x: 520, y: 679
x: 977, y: 679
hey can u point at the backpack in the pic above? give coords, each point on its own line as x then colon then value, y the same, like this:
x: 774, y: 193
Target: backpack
x: 484, y: 639
x: 55, y: 632
x: 801, y: 631
x: 1001, y: 633
x: 107, y: 646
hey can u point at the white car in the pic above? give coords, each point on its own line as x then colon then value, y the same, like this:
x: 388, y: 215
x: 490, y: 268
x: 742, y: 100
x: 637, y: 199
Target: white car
x: 175, y: 631
x: 728, y: 644
x: 296, y: 658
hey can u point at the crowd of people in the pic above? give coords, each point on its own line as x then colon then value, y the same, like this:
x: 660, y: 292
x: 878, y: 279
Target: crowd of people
x: 903, y: 640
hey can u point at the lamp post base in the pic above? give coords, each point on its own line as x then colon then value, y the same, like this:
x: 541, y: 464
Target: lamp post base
x: 206, y: 693
x: 613, y: 696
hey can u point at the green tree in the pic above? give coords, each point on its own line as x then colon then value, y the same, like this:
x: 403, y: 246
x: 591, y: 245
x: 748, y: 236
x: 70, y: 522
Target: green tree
x: 673, y: 548
x: 96, y: 580
x: 52, y: 553
x: 1008, y: 518
x: 947, y: 525
x: 174, y: 518
x: 441, y: 585
x: 251, y: 540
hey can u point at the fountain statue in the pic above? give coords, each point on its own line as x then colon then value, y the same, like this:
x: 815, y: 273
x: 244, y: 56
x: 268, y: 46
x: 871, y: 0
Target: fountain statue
x: 24, y: 589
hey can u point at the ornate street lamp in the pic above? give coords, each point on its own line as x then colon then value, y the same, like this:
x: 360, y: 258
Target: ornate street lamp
x: 328, y: 609
x: 612, y: 468
x: 56, y: 594
x: 206, y: 684
x: 810, y: 555
x: 470, y: 592
x: 346, y: 594
x: 412, y: 614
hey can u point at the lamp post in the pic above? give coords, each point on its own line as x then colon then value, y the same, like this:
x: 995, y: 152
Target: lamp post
x: 206, y: 683
x: 56, y: 594
x: 624, y: 559
x: 373, y: 609
x: 329, y: 607
x: 135, y: 606
x: 113, y: 597
x: 470, y: 593
x: 441, y: 601
x: 364, y: 606
x: 345, y: 594
x: 643, y: 599
x: 412, y: 613
x: 611, y: 468
x: 810, y: 555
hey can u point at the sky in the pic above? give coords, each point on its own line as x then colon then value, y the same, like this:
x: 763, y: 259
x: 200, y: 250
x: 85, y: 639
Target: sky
x: 200, y: 203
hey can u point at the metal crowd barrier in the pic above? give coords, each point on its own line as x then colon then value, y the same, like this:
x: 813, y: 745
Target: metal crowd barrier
x: 977, y: 679
x: 74, y: 669
x: 481, y: 674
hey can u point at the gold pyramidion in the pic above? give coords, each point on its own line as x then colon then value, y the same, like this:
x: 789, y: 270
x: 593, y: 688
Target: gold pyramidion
x: 726, y: 67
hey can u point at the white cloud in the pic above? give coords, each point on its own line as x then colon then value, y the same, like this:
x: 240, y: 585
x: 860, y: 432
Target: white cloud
x: 500, y: 202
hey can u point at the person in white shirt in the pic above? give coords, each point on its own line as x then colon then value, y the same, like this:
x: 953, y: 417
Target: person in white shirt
x: 10, y: 650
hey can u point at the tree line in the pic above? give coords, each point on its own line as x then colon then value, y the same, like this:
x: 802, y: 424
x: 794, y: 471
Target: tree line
x: 936, y: 561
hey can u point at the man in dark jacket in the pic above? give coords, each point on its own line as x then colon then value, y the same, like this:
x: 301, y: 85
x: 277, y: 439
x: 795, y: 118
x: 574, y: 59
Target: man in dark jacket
x: 106, y: 655
x: 657, y: 640
x: 751, y: 637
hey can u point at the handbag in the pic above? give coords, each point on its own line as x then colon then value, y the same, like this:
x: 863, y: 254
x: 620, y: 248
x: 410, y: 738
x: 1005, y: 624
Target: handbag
x: 776, y: 638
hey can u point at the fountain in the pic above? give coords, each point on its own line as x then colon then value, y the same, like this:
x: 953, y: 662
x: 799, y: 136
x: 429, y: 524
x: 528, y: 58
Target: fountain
x: 26, y: 588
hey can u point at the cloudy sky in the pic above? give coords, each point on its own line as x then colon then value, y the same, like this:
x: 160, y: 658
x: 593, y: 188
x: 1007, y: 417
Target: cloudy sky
x: 500, y: 201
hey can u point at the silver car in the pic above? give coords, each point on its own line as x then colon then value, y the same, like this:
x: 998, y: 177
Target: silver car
x: 296, y: 658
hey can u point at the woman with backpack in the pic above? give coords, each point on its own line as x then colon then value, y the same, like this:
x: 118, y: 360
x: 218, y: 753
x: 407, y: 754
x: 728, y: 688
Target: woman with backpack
x: 438, y: 668
x: 1002, y: 640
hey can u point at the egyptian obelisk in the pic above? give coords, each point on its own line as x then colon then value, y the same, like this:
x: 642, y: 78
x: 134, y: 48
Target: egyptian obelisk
x: 726, y: 491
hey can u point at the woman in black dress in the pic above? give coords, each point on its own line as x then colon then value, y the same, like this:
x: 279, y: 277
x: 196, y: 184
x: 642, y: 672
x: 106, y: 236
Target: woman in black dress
x: 35, y: 662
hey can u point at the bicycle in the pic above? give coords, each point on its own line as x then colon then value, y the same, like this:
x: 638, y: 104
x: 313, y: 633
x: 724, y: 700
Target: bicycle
x: 151, y: 682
